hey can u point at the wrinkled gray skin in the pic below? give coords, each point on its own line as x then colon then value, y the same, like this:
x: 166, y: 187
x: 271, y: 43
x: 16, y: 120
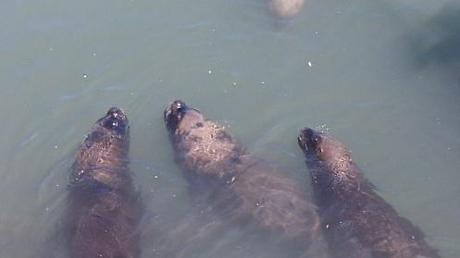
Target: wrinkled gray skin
x: 104, y: 209
x: 244, y: 190
x: 357, y: 222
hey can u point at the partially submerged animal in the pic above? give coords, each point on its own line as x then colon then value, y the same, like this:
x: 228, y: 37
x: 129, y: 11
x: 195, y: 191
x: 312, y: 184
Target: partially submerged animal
x: 243, y: 189
x: 285, y: 8
x: 104, y: 208
x: 357, y: 222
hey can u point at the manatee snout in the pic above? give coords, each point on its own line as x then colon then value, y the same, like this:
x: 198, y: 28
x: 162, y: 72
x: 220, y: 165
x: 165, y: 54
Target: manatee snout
x: 115, y: 120
x: 308, y: 139
x: 180, y: 117
x: 173, y: 114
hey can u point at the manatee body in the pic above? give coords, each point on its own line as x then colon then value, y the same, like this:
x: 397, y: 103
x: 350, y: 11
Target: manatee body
x: 285, y: 8
x: 103, y: 209
x: 244, y: 190
x: 357, y: 222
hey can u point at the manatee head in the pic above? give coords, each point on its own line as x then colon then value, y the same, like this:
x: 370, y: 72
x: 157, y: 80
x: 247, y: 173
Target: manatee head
x: 328, y: 159
x: 322, y: 146
x: 309, y: 141
x: 103, y: 155
x: 180, y: 118
x: 114, y: 121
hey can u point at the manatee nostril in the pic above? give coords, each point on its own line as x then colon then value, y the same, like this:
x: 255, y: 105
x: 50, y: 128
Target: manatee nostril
x: 114, y: 110
x: 302, y: 141
x: 116, y: 113
x: 178, y: 106
x: 115, y: 120
x: 316, y: 139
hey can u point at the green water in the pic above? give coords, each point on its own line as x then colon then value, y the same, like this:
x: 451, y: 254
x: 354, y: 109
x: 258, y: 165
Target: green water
x: 353, y: 67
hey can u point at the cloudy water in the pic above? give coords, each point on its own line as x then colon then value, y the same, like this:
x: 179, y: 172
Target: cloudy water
x: 382, y: 76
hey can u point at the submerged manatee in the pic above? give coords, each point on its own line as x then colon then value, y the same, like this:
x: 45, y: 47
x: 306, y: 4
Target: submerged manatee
x: 244, y: 190
x: 285, y: 8
x: 103, y: 210
x: 357, y: 222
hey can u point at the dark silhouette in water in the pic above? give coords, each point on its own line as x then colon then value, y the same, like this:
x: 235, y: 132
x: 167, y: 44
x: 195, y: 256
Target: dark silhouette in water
x: 242, y: 189
x: 438, y: 40
x: 103, y: 210
x: 357, y: 222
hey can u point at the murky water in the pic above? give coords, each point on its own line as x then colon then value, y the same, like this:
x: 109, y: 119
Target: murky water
x: 380, y: 75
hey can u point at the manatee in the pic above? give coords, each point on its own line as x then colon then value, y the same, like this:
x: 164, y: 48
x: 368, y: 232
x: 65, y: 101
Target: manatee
x: 243, y: 189
x: 103, y: 205
x: 285, y: 8
x: 356, y: 221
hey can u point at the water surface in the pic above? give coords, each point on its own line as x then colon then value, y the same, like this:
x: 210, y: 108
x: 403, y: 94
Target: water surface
x: 370, y: 72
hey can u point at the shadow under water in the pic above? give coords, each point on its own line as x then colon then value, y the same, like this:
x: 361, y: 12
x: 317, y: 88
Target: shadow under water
x: 437, y: 43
